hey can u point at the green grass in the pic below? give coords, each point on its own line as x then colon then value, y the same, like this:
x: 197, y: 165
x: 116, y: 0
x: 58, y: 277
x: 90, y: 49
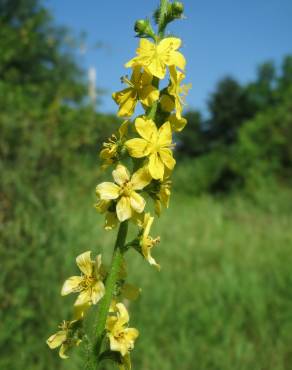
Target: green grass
x: 222, y: 301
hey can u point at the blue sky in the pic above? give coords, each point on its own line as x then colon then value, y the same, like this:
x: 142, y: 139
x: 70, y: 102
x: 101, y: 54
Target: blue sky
x: 220, y: 37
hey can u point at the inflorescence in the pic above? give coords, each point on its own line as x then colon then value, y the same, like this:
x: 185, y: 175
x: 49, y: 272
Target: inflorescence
x: 141, y: 155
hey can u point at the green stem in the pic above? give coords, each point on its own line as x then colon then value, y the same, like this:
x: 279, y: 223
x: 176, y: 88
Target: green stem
x: 110, y: 286
x: 162, y: 23
x: 151, y: 113
x: 123, y: 229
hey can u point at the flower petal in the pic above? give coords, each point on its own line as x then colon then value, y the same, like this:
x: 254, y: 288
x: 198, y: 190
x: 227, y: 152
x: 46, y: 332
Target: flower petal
x: 131, y: 63
x: 178, y: 60
x: 167, y: 158
x: 62, y: 351
x: 148, y: 95
x: 131, y: 334
x: 146, y: 78
x: 102, y: 205
x: 140, y: 179
x: 178, y: 108
x: 156, y: 167
x: 151, y: 260
x: 123, y: 130
x: 164, y: 194
x: 83, y: 298
x: 122, y: 95
x: 177, y: 124
x: 108, y: 190
x: 137, y: 148
x: 117, y: 345
x: 146, y: 128
x: 145, y: 46
x: 157, y: 67
x: 71, y: 285
x: 111, y: 320
x: 84, y: 263
x: 97, y: 292
x: 137, y: 202
x: 148, y: 220
x: 136, y: 76
x: 168, y: 44
x: 165, y: 135
x: 98, y: 263
x: 123, y: 316
x: 127, y: 100
x: 57, y: 339
x: 121, y: 175
x: 123, y: 209
x: 145, y: 49
x: 157, y: 207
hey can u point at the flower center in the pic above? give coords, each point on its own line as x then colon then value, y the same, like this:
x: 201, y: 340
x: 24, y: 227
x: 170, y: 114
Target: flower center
x: 64, y: 326
x: 120, y: 335
x: 153, y: 145
x: 87, y: 281
x: 127, y: 189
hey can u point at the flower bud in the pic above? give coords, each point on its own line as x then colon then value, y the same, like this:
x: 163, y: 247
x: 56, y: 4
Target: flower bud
x: 143, y: 28
x: 140, y: 26
x: 177, y: 9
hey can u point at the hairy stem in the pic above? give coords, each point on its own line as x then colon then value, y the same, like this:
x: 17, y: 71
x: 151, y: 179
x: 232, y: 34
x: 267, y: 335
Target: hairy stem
x: 161, y: 28
x: 151, y: 113
x: 123, y: 229
x: 162, y: 12
x: 110, y: 286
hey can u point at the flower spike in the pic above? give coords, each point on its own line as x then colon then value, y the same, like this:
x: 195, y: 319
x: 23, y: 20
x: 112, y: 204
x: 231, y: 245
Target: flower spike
x: 140, y: 154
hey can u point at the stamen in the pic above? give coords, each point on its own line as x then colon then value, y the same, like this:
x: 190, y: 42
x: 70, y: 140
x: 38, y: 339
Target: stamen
x: 125, y: 80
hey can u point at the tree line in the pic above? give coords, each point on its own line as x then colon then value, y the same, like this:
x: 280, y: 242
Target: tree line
x: 247, y: 137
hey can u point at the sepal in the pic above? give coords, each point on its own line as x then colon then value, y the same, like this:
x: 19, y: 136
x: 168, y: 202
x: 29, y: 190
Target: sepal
x: 143, y: 28
x: 123, y: 362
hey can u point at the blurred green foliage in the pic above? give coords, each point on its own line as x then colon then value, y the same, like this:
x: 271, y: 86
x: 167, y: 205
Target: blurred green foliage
x: 247, y: 137
x: 48, y: 132
x: 223, y: 303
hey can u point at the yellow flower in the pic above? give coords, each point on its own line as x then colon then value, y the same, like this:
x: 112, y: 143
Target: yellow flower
x: 155, y: 143
x: 111, y: 149
x: 155, y: 57
x: 120, y: 336
x: 177, y: 124
x: 105, y: 206
x: 89, y: 285
x: 147, y: 242
x: 124, y: 191
x: 177, y: 93
x: 64, y: 338
x: 177, y: 90
x: 163, y: 195
x: 140, y: 88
